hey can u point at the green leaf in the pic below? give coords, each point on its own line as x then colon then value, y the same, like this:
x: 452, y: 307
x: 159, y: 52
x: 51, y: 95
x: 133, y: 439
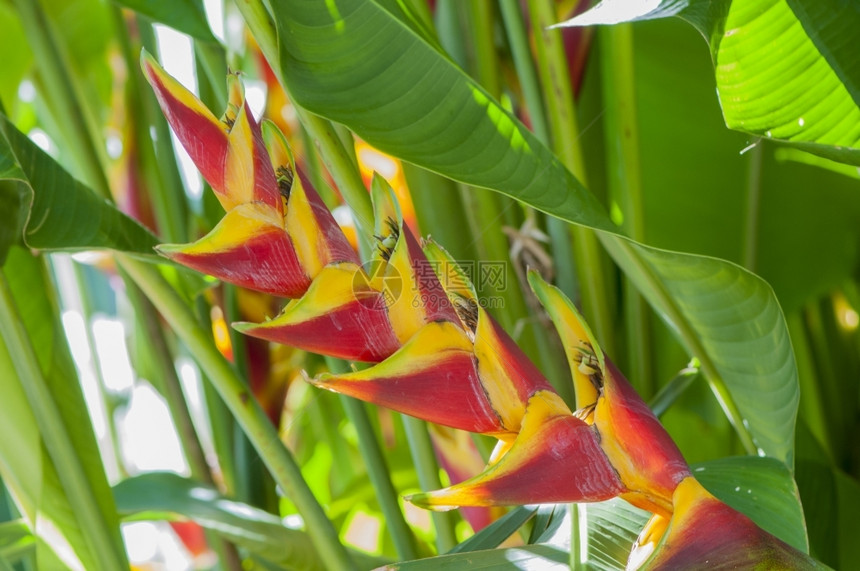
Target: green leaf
x: 356, y: 63
x: 761, y: 488
x: 494, y: 534
x: 27, y: 462
x: 16, y: 541
x: 55, y: 211
x: 526, y: 557
x: 187, y: 16
x: 785, y: 70
x: 164, y: 495
x: 613, y: 527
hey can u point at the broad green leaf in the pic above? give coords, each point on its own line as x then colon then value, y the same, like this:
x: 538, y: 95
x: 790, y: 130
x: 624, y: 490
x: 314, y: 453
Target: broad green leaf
x: 761, y: 488
x: 527, y: 557
x: 786, y: 70
x: 32, y: 473
x: 356, y: 63
x: 187, y: 16
x: 56, y: 211
x: 168, y: 496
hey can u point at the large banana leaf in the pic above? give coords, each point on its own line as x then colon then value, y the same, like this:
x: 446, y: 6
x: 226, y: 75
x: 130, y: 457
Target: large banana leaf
x: 785, y: 69
x: 367, y: 65
x: 47, y: 491
x: 54, y: 210
x: 185, y: 15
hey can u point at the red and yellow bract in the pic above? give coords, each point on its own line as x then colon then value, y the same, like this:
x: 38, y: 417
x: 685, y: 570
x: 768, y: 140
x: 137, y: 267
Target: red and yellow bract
x: 439, y: 356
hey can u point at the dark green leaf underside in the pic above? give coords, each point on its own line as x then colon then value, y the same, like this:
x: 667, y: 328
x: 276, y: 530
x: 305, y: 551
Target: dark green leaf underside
x: 55, y: 211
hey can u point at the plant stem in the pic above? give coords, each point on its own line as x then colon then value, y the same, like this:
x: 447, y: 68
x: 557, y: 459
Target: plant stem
x: 673, y: 389
x: 427, y: 467
x: 103, y: 542
x: 343, y: 169
x: 60, y: 89
x: 625, y: 185
x: 750, y: 243
x: 170, y: 384
x: 250, y: 481
x: 377, y: 471
x: 164, y: 183
x: 590, y: 263
x: 245, y: 408
x: 438, y: 210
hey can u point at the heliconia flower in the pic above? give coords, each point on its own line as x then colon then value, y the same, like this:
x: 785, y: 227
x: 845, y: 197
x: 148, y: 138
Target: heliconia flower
x: 229, y: 152
x: 556, y: 457
x: 702, y: 529
x: 478, y: 382
x: 439, y: 355
x: 340, y: 315
x: 253, y: 174
x: 641, y: 451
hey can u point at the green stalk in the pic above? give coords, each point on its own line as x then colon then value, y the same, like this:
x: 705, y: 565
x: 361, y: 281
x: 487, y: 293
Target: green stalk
x: 245, y: 409
x: 213, y: 59
x: 521, y: 52
x: 83, y: 298
x: 673, y: 389
x: 170, y: 384
x: 171, y: 388
x: 168, y: 197
x: 424, y: 458
x: 590, y: 263
x: 64, y: 96
x: 343, y: 169
x: 102, y: 541
x: 377, y: 470
x: 487, y: 211
x: 163, y: 184
x: 625, y: 185
x: 250, y: 486
x: 439, y: 211
x: 315, y: 171
x: 480, y: 19
x: 813, y: 409
x: 753, y: 205
x: 380, y: 477
x: 221, y: 423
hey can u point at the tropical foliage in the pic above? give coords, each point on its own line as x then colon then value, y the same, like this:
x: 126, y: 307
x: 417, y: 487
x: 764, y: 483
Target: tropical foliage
x: 710, y: 242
